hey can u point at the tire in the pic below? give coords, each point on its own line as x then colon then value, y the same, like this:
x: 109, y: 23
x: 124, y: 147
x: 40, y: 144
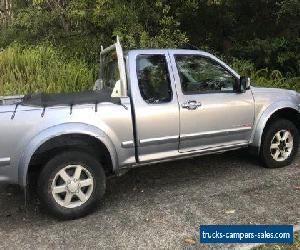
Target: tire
x: 283, y: 136
x: 71, y: 184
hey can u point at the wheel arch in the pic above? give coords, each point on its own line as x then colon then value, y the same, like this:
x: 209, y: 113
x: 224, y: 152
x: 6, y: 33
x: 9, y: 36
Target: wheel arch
x: 65, y: 136
x: 286, y: 110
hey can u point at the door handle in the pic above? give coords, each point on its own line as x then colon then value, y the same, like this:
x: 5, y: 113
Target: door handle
x: 191, y: 105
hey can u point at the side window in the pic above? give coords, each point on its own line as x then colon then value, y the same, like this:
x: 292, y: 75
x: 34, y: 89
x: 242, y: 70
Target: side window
x: 110, y: 70
x: 201, y: 75
x: 153, y: 79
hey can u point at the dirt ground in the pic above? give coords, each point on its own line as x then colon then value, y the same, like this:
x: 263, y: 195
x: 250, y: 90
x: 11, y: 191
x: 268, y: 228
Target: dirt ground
x: 162, y: 206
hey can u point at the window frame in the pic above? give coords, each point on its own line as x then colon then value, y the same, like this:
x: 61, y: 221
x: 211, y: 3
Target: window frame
x: 168, y: 75
x: 209, y: 59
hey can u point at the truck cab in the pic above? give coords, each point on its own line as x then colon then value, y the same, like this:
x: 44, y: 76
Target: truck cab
x: 183, y: 101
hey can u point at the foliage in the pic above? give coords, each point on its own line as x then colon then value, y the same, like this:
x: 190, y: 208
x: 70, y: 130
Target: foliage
x: 278, y: 53
x: 264, y: 33
x: 266, y: 77
x: 41, y: 68
x: 80, y: 26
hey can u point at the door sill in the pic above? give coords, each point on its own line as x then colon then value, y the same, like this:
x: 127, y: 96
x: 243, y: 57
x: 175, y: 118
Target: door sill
x: 218, y: 147
x: 176, y: 155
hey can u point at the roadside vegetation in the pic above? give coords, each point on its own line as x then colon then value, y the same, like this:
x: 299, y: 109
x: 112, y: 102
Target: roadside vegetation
x: 54, y: 45
x: 41, y: 68
x: 44, y: 68
x: 266, y: 77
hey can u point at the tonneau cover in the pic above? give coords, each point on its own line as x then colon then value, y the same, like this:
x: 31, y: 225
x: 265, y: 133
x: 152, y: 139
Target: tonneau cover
x: 86, y: 97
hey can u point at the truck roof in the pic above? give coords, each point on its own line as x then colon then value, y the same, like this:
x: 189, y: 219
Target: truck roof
x: 175, y: 51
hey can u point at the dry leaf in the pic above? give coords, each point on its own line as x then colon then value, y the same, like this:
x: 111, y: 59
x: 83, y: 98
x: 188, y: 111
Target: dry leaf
x: 190, y: 241
x: 232, y: 211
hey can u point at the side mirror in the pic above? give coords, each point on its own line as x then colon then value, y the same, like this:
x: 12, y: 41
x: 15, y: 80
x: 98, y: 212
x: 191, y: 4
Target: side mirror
x: 244, y: 84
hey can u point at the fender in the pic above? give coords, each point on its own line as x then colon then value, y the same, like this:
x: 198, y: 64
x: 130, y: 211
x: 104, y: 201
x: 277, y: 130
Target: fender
x: 264, y: 116
x: 58, y: 130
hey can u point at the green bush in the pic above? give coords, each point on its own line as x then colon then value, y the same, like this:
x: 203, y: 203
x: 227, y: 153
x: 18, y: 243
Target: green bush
x: 276, y: 54
x: 41, y: 68
x: 266, y: 77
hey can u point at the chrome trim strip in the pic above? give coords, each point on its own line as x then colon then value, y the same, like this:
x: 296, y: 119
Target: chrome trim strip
x: 127, y: 144
x: 160, y: 140
x: 219, y: 148
x: 4, y: 162
x: 184, y: 137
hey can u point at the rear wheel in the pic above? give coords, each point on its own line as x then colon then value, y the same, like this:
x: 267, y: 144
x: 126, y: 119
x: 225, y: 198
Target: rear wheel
x: 71, y: 184
x: 279, y: 144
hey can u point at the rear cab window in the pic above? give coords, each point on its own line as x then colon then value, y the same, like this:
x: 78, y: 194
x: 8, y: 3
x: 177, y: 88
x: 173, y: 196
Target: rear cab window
x: 153, y: 79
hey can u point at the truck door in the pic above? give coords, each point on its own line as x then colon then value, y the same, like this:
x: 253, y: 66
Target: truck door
x: 155, y: 104
x: 213, y: 115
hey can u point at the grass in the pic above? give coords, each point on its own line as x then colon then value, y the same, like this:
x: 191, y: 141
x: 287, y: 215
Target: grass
x: 266, y: 77
x: 275, y: 79
x: 41, y: 68
x: 294, y: 246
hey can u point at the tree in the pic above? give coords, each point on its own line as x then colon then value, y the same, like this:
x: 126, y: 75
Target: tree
x: 266, y: 32
x: 5, y: 12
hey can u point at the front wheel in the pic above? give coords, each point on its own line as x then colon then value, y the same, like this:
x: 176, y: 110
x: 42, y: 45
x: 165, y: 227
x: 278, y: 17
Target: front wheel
x: 279, y: 144
x: 71, y: 184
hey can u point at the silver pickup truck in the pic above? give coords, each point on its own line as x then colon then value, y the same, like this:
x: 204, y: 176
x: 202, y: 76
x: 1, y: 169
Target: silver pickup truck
x: 147, y: 106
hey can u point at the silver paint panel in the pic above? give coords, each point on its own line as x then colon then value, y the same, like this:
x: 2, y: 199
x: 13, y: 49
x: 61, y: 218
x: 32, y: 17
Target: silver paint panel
x: 111, y: 124
x: 154, y: 122
x: 218, y: 116
x: 267, y: 102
